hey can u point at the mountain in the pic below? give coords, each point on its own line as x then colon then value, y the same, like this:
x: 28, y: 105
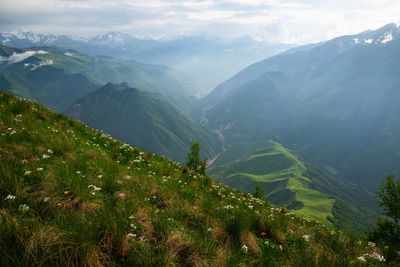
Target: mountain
x: 29, y: 69
x: 205, y: 60
x: 136, y: 118
x: 292, y: 183
x: 334, y: 103
x: 74, y: 196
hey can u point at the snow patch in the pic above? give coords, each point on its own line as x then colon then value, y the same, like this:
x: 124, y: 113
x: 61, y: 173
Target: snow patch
x: 368, y: 41
x: 356, y: 41
x: 387, y: 38
x: 15, y: 58
x: 68, y: 54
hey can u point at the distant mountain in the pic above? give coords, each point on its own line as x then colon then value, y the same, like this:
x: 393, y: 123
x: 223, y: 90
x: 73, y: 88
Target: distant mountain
x: 138, y: 119
x: 29, y: 69
x: 205, y: 60
x: 335, y: 103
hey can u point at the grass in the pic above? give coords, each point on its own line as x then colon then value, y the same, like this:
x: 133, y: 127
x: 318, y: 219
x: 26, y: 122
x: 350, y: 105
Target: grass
x: 269, y: 162
x: 73, y: 196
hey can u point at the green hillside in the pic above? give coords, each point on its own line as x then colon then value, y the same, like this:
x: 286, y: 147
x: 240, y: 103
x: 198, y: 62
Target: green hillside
x: 72, y: 196
x: 291, y: 183
x: 29, y: 76
x: 136, y: 118
x: 50, y: 86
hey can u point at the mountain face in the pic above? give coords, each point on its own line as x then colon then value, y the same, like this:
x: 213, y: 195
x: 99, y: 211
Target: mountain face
x: 136, y: 118
x: 29, y: 69
x: 335, y: 103
x: 197, y: 56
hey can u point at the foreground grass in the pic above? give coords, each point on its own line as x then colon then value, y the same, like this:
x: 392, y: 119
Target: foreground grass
x: 72, y: 196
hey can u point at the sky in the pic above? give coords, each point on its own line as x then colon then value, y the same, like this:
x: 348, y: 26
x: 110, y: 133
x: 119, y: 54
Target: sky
x: 274, y: 21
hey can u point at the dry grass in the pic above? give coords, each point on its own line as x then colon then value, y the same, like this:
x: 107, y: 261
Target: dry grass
x: 249, y: 240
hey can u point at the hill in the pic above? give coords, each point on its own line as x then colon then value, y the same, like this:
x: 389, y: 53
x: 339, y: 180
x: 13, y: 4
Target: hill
x: 136, y: 118
x: 292, y: 183
x: 73, y: 196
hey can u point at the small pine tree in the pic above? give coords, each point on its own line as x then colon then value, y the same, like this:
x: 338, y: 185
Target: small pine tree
x: 194, y: 161
x: 387, y: 230
x: 259, y: 192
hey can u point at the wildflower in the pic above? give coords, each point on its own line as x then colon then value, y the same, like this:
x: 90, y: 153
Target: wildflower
x: 95, y: 188
x: 69, y: 199
x: 78, y: 172
x: 45, y: 156
x: 371, y: 244
x: 131, y: 217
x: 263, y: 234
x: 290, y: 231
x: 361, y: 258
x: 217, y: 209
x: 10, y: 197
x: 50, y: 151
x: 35, y: 159
x: 17, y: 120
x: 24, y: 161
x: 245, y: 248
x: 27, y: 172
x: 122, y: 195
x: 66, y: 193
x: 306, y: 237
x: 39, y: 169
x: 131, y: 235
x: 100, y: 176
x: 59, y: 204
x: 209, y: 230
x: 46, y: 199
x: 23, y: 208
x: 280, y: 247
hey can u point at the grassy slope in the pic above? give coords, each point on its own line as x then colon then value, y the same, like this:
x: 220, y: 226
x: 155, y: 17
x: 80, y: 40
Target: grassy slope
x: 280, y: 166
x: 74, y: 196
x: 289, y: 182
x: 132, y: 116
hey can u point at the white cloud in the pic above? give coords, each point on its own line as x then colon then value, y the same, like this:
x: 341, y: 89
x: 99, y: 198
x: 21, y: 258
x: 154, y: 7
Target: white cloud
x: 15, y: 58
x: 301, y: 21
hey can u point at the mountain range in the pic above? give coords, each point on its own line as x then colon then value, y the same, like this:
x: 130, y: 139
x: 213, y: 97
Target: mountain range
x: 207, y: 61
x: 333, y: 103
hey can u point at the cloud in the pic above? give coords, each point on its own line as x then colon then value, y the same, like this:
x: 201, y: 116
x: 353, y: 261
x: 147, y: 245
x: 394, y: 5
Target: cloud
x: 300, y: 21
x: 15, y: 58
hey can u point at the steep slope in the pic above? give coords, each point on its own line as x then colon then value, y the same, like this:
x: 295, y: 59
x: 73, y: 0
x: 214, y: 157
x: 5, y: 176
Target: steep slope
x: 136, y: 118
x: 291, y: 183
x: 334, y: 103
x: 72, y: 196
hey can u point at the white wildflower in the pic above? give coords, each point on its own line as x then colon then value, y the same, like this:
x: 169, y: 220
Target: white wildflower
x: 23, y: 208
x: 10, y: 197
